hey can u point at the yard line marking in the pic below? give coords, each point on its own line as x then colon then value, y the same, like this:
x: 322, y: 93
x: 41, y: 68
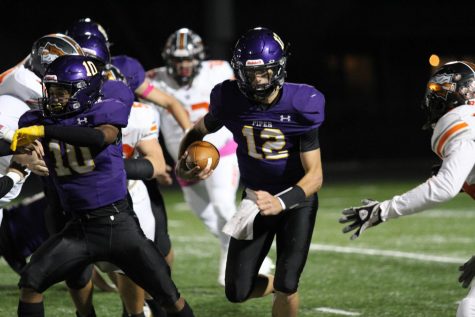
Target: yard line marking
x: 336, y: 311
x: 388, y: 253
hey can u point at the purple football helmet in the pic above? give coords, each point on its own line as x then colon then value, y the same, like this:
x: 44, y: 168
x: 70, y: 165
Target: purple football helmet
x: 88, y: 27
x: 49, y: 47
x: 450, y: 86
x: 259, y: 53
x: 94, y: 47
x: 72, y: 84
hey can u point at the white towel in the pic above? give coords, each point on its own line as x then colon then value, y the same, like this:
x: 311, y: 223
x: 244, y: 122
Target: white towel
x: 240, y: 226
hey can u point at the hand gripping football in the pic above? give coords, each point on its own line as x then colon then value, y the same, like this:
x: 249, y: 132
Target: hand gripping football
x: 199, y: 153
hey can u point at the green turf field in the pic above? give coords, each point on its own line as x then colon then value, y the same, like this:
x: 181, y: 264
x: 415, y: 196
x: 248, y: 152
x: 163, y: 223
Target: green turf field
x: 411, y: 269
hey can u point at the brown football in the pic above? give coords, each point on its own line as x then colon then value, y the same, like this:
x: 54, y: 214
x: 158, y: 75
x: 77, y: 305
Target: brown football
x: 199, y: 152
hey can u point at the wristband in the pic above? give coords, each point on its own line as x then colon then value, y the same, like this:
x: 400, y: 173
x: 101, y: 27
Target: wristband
x: 291, y: 197
x: 15, y: 177
x: 19, y: 167
x: 147, y: 90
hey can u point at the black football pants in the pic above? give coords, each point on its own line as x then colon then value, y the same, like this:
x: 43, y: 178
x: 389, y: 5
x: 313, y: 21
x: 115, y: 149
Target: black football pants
x: 111, y: 234
x: 293, y: 231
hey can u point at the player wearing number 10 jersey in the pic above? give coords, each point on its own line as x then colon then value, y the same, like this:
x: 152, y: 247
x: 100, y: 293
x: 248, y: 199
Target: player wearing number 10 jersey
x: 80, y: 133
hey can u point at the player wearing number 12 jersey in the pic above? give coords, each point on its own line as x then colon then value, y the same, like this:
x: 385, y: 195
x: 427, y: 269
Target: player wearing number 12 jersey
x: 275, y: 125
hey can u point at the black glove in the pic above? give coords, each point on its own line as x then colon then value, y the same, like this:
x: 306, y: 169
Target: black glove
x: 468, y: 272
x: 362, y: 217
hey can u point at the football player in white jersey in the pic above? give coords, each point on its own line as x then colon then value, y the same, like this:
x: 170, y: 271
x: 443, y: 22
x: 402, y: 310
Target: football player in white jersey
x: 23, y: 81
x: 449, y: 101
x: 20, y: 87
x: 12, y: 174
x: 143, y: 160
x: 190, y: 79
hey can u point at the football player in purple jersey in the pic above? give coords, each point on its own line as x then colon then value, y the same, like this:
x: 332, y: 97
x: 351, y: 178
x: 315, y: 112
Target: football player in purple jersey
x: 117, y: 87
x: 80, y: 133
x: 275, y: 125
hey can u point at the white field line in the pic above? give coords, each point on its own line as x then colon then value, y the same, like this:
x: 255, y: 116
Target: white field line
x: 387, y: 253
x: 336, y: 311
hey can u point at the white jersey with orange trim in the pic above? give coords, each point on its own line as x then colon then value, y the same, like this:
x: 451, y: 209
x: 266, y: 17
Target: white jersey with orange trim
x: 453, y: 140
x: 11, y: 109
x: 21, y: 83
x: 212, y: 200
x: 195, y: 99
x: 143, y: 125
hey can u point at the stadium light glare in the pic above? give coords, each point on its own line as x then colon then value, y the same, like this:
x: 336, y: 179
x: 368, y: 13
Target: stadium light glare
x: 434, y: 60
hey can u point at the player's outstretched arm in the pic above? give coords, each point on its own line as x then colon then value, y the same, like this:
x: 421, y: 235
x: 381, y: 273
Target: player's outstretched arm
x: 74, y: 135
x: 147, y: 91
x: 152, y: 152
x: 362, y: 217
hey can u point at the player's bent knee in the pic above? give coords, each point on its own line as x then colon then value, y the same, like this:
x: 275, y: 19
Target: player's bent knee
x: 236, y: 294
x: 285, y: 287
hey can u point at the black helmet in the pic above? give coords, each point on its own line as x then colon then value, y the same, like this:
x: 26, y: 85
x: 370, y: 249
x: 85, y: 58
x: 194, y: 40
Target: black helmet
x: 451, y: 86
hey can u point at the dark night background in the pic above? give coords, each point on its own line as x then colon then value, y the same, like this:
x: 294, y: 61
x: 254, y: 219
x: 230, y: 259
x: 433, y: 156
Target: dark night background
x: 370, y: 59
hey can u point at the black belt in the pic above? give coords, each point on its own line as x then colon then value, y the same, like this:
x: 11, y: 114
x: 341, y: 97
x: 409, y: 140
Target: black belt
x: 105, y: 211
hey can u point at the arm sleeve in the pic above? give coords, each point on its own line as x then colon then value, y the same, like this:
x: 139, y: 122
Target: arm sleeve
x: 138, y: 169
x: 6, y: 184
x: 437, y: 189
x: 5, y: 148
x: 212, y: 123
x: 309, y: 141
x: 81, y: 136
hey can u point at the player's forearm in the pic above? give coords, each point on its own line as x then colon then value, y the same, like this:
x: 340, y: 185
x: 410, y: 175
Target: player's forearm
x: 158, y: 162
x: 80, y: 136
x: 140, y: 168
x: 438, y: 189
x: 196, y: 133
x: 311, y: 182
x: 180, y: 115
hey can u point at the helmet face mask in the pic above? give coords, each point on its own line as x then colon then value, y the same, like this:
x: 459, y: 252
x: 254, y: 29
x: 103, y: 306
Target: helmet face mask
x: 259, y: 61
x: 451, y: 86
x: 183, y: 54
x: 72, y: 85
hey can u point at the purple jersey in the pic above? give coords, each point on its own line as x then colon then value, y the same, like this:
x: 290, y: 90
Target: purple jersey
x: 116, y: 89
x: 131, y: 68
x: 269, y: 139
x: 85, y: 178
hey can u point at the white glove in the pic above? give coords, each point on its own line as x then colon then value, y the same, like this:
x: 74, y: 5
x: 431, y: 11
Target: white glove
x: 6, y: 133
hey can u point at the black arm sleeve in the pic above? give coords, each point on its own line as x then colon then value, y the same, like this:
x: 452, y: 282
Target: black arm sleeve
x: 5, y: 148
x: 309, y: 141
x: 212, y: 124
x: 81, y: 136
x: 138, y: 169
x: 6, y: 184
